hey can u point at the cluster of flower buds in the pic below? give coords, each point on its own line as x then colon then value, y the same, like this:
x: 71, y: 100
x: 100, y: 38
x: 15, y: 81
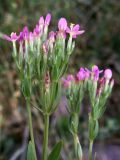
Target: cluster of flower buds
x: 51, y: 48
x: 99, y: 87
x: 43, y: 56
x: 75, y: 86
x: 99, y: 84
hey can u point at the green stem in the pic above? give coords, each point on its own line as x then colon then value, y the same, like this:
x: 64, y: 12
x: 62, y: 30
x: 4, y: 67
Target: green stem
x: 31, y: 127
x: 45, y: 140
x: 77, y: 146
x: 90, y: 149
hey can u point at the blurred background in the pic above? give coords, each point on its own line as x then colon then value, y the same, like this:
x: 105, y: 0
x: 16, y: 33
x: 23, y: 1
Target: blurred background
x: 99, y: 45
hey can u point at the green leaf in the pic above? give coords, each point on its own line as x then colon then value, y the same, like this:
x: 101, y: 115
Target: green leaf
x: 30, y: 153
x: 54, y: 155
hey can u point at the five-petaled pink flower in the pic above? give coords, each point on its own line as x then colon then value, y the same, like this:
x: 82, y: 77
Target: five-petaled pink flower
x: 74, y: 30
x: 13, y: 37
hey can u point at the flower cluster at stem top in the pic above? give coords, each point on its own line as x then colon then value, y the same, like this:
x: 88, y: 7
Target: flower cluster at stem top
x: 98, y: 83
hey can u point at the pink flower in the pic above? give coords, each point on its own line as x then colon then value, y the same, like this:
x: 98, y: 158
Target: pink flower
x: 36, y: 31
x: 96, y: 72
x: 21, y: 37
x: 48, y: 19
x: 67, y: 82
x: 41, y: 21
x: 108, y: 74
x: 74, y: 30
x: 62, y: 24
x: 87, y: 73
x: 81, y: 74
x: 13, y: 37
x: 31, y: 36
x: 70, y: 77
x: 52, y: 36
x: 25, y: 33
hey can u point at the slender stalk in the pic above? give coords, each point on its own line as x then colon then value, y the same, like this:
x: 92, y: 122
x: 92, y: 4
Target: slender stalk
x: 77, y: 146
x: 31, y: 127
x: 45, y: 140
x: 90, y: 149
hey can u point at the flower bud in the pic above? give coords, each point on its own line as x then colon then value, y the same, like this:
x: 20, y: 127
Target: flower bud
x: 108, y: 73
x: 62, y: 24
x: 67, y: 82
x: 48, y: 19
x: 81, y: 74
x: 25, y: 33
x: 47, y: 82
x: 96, y: 72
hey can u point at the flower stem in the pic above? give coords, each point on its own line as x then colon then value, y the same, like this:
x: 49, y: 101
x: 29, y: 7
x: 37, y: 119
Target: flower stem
x: 77, y: 146
x: 45, y: 140
x: 90, y: 149
x: 31, y: 127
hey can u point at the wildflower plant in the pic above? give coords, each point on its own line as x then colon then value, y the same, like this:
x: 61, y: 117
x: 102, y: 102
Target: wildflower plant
x: 42, y: 58
x: 75, y: 86
x: 99, y: 89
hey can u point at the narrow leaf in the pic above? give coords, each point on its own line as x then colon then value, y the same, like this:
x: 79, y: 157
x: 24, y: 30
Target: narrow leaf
x: 30, y: 153
x: 54, y: 155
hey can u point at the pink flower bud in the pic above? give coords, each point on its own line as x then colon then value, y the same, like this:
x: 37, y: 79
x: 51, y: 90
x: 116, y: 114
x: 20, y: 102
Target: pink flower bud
x: 21, y: 37
x: 66, y: 83
x: 48, y: 19
x: 108, y: 73
x: 62, y: 24
x: 87, y: 73
x: 52, y: 36
x: 36, y: 31
x: 31, y: 36
x: 25, y: 32
x: 96, y: 72
x: 70, y: 77
x: 81, y: 74
x: 95, y: 68
x: 41, y: 21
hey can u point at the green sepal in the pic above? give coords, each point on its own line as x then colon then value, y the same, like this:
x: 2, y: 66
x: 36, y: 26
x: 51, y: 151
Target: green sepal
x: 55, y: 153
x: 73, y: 124
x: 26, y: 88
x: 93, y: 128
